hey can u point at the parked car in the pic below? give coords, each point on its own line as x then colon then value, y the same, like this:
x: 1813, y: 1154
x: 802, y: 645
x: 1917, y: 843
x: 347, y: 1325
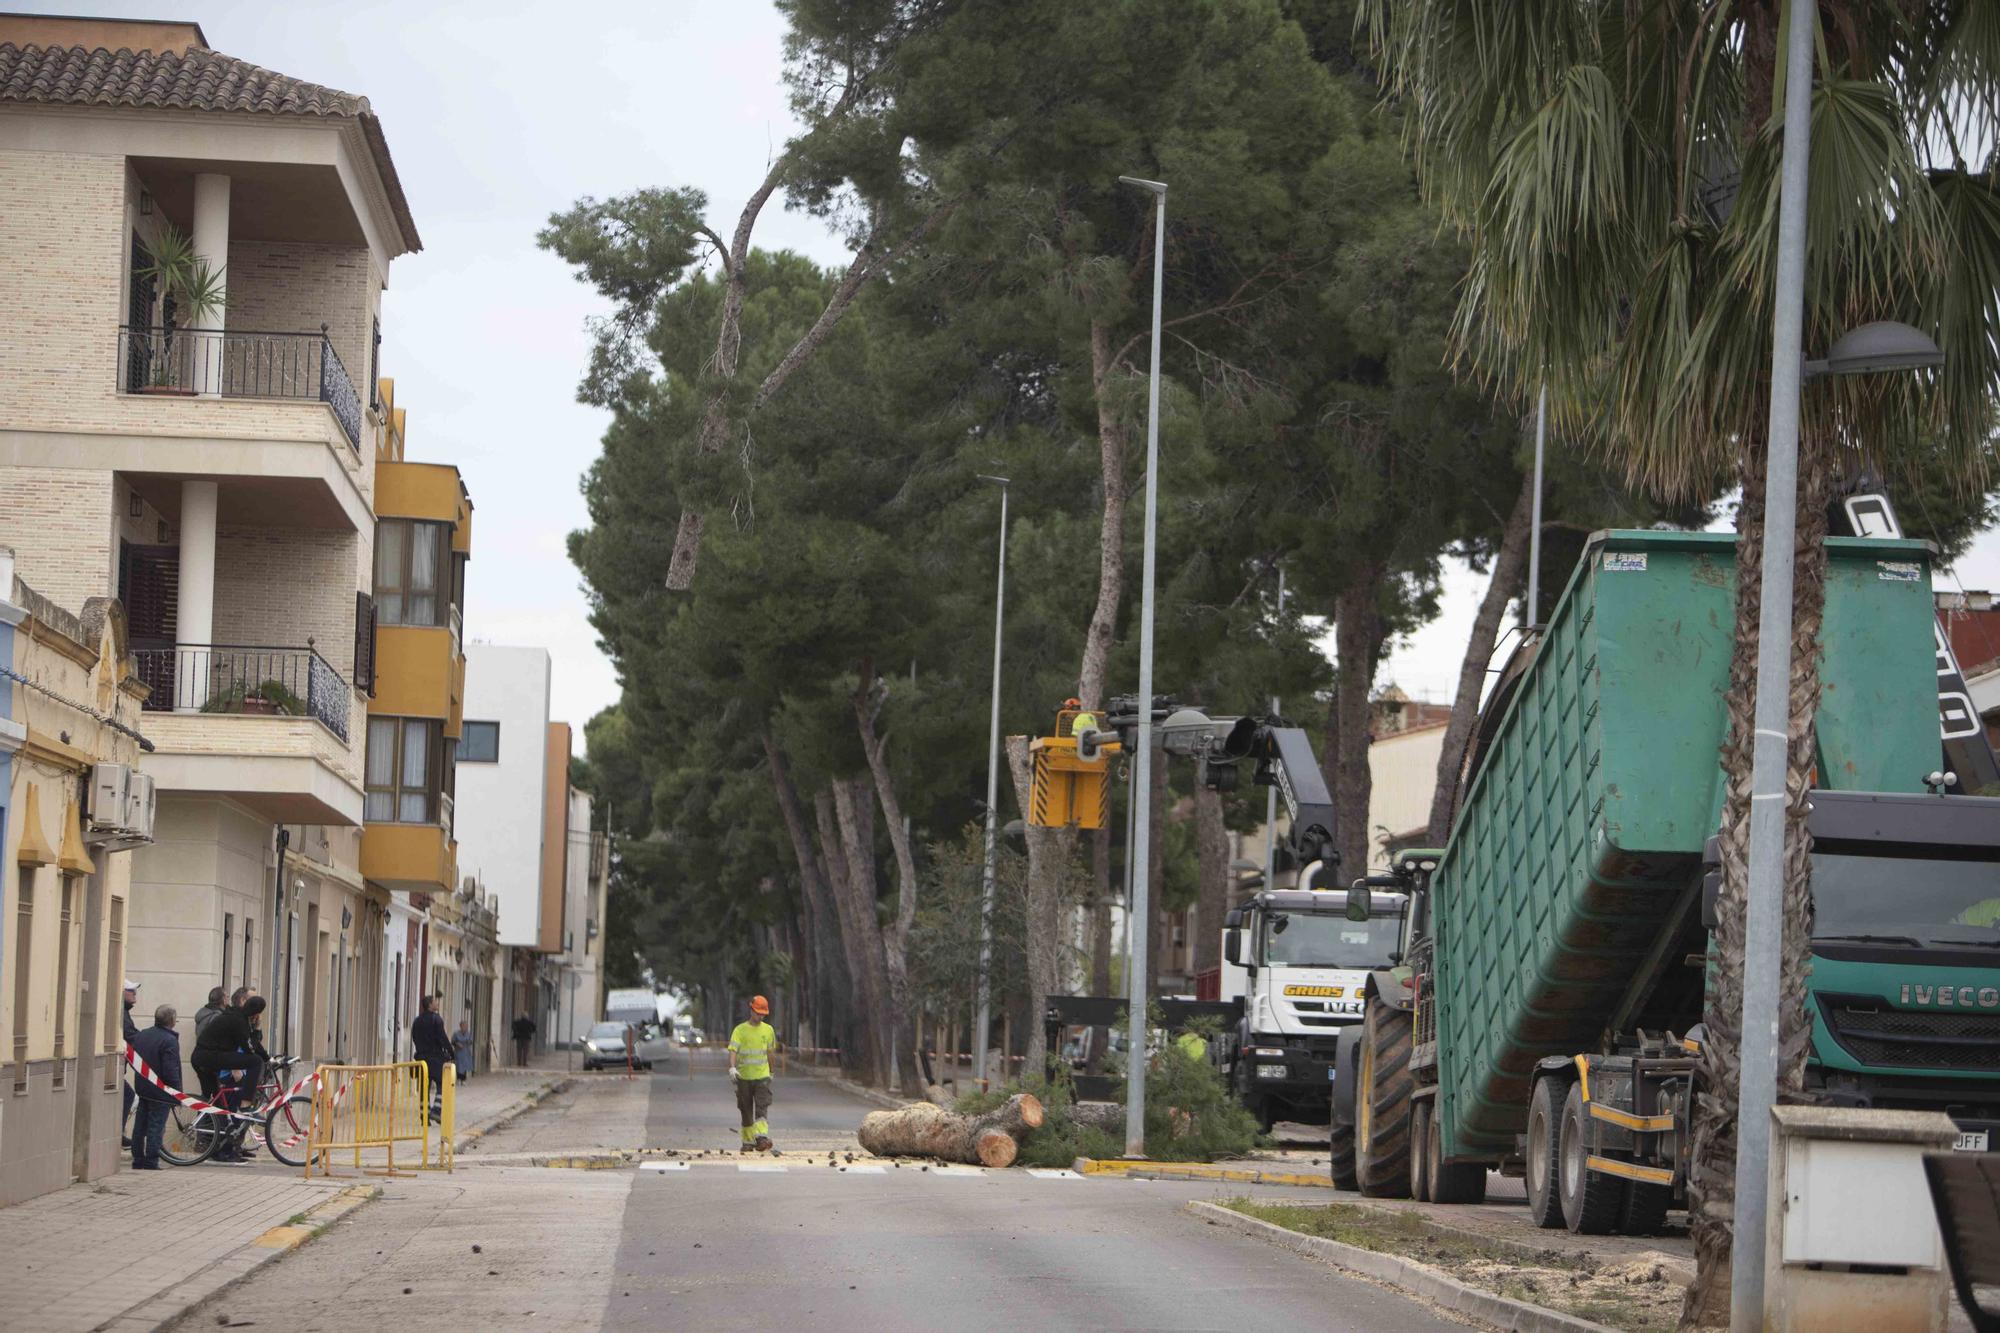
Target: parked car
x: 604, y: 1048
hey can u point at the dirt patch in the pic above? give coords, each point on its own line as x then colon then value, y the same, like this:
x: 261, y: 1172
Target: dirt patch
x: 1636, y: 1294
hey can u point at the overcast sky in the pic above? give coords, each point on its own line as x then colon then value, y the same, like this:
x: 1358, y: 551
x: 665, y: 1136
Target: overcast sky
x: 499, y: 113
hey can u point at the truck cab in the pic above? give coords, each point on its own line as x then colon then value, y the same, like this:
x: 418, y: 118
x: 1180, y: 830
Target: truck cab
x: 1300, y: 967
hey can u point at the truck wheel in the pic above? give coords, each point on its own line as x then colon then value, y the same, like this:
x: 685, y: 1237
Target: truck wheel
x: 1340, y: 1156
x: 1544, y: 1164
x: 1592, y: 1202
x: 1420, y: 1152
x: 1645, y: 1209
x: 1382, y: 1104
x: 1450, y: 1182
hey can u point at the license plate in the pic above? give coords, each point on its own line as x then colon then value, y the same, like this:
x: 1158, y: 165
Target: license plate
x: 1970, y: 1140
x: 1270, y: 1071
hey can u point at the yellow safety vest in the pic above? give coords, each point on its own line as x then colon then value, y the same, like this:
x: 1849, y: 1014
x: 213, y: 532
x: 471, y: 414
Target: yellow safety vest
x: 753, y: 1043
x: 1082, y: 722
x: 1192, y: 1046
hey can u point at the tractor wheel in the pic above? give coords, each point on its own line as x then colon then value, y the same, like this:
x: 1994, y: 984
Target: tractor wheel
x: 1544, y: 1164
x: 1340, y: 1155
x: 1592, y: 1202
x: 1382, y: 1103
x: 1420, y: 1148
x: 1449, y: 1182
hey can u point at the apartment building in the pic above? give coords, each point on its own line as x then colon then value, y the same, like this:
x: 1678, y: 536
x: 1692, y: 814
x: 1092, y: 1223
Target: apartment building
x: 192, y: 256
x: 69, y: 816
x: 524, y: 831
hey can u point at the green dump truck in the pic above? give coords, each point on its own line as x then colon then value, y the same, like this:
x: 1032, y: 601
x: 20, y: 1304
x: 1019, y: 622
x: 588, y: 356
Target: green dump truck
x: 1546, y: 1013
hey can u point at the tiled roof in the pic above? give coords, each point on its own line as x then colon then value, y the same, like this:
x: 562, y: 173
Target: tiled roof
x: 200, y: 80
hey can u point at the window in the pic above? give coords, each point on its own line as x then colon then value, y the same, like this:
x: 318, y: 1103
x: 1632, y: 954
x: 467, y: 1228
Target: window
x: 63, y: 935
x: 114, y: 1025
x: 228, y: 940
x: 413, y: 572
x: 404, y: 763
x: 24, y: 953
x: 480, y: 743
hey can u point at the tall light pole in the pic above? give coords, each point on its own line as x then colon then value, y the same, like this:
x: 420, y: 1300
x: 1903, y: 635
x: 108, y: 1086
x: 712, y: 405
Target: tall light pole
x: 1271, y: 792
x: 1535, y: 517
x: 992, y: 805
x: 1135, y: 1055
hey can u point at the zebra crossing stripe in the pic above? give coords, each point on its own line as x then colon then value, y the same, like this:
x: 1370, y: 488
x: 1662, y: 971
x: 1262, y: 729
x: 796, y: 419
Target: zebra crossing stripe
x: 663, y: 1166
x: 766, y: 1167
x: 1046, y: 1173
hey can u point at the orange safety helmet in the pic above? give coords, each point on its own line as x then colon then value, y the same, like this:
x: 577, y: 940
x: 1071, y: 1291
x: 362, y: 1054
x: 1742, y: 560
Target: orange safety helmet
x: 759, y: 1005
x: 1072, y: 702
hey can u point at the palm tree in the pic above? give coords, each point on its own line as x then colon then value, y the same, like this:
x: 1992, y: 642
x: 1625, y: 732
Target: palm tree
x: 1613, y: 165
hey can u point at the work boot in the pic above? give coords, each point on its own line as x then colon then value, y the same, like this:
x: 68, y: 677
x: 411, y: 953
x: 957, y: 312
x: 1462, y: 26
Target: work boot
x: 763, y: 1144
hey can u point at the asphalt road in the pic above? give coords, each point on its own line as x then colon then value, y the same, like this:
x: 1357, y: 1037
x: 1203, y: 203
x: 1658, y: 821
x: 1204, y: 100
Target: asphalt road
x: 789, y: 1242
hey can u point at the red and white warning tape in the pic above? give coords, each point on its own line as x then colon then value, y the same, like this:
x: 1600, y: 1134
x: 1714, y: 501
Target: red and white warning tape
x: 194, y: 1103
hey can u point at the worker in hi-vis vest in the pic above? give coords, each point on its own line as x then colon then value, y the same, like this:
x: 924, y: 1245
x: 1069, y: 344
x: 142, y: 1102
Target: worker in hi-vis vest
x: 750, y: 1047
x: 1085, y: 719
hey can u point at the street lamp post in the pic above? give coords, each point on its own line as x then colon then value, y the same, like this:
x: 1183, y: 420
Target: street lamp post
x: 1869, y: 349
x: 1532, y: 618
x: 985, y: 1024
x: 1135, y: 1055
x: 1271, y: 792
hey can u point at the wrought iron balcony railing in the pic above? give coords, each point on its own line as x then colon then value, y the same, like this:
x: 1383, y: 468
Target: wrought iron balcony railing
x: 230, y: 678
x: 238, y: 364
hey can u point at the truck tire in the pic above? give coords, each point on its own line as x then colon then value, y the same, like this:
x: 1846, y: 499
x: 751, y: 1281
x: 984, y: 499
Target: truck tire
x: 1382, y: 1103
x: 1544, y: 1161
x: 1593, y: 1203
x: 1420, y: 1152
x: 1449, y: 1182
x: 1340, y: 1155
x: 1645, y: 1209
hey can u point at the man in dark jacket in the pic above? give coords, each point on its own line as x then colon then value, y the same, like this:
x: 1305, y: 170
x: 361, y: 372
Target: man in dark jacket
x: 432, y: 1045
x: 160, y: 1047
x: 230, y: 1044
x: 524, y: 1032
x: 214, y: 1006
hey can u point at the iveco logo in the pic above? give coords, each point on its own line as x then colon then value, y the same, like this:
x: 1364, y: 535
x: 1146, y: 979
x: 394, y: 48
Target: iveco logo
x: 1953, y: 997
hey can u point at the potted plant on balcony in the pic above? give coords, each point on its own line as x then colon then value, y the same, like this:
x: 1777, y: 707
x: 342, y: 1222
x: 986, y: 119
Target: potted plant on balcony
x: 266, y: 700
x: 198, y: 293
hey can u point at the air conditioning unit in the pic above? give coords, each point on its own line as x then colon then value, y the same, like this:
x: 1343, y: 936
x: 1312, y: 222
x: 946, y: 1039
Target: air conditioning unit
x: 108, y: 809
x: 119, y: 811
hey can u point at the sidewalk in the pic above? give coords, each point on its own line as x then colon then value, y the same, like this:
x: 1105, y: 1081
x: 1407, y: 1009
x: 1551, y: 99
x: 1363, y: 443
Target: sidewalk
x: 138, y: 1249
x: 135, y: 1249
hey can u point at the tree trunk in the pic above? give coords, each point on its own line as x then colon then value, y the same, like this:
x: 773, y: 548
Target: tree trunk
x: 895, y: 940
x: 1111, y: 532
x: 1712, y: 1172
x: 861, y: 1056
x: 1212, y: 844
x: 1049, y: 852
x: 820, y: 933
x: 1358, y: 635
x: 924, y: 1129
x: 1510, y: 564
x: 854, y: 805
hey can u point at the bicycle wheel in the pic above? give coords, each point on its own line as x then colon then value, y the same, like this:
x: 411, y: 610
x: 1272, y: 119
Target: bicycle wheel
x: 191, y: 1136
x: 285, y: 1130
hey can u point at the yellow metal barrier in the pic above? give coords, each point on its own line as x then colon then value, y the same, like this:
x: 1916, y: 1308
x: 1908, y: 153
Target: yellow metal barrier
x: 365, y: 1107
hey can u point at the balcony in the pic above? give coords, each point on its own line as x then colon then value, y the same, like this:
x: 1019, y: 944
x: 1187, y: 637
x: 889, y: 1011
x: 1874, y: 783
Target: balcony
x: 269, y: 728
x: 415, y: 858
x: 189, y: 363
x: 246, y: 681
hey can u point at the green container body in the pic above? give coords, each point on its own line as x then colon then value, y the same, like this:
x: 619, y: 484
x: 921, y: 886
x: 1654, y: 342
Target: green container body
x: 1585, y: 826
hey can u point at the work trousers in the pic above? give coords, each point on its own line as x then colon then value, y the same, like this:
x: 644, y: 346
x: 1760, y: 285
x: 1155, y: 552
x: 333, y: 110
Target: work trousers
x: 753, y: 1102
x: 434, y: 1066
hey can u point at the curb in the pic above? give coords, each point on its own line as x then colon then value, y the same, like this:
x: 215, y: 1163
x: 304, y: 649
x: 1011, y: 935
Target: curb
x: 1448, y: 1292
x: 184, y: 1298
x: 1235, y: 1175
x: 528, y: 1102
x: 1681, y: 1268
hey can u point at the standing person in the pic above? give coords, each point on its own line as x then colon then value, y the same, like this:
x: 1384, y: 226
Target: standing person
x: 216, y: 998
x: 160, y: 1047
x: 524, y: 1032
x: 432, y: 1045
x: 461, y: 1045
x: 750, y: 1047
x: 131, y: 1031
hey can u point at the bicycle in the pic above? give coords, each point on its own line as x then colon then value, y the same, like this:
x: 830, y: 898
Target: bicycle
x: 279, y: 1121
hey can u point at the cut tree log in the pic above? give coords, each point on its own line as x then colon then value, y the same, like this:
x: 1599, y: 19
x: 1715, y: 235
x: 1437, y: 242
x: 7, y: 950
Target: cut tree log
x: 924, y: 1130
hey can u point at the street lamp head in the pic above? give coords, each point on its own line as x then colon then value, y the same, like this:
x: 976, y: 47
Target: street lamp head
x: 1873, y: 348
x: 997, y: 481
x: 1157, y: 187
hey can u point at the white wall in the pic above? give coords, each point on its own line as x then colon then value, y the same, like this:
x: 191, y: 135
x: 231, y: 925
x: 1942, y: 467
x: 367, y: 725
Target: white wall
x: 1404, y: 772
x: 498, y: 816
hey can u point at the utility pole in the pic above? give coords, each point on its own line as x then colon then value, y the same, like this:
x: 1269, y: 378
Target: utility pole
x: 1763, y: 911
x: 1533, y: 616
x: 985, y: 1020
x: 1271, y: 792
x: 1135, y: 1056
